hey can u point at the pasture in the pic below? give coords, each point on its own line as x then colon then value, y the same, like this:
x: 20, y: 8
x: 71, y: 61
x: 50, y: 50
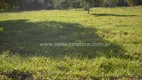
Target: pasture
x: 22, y: 33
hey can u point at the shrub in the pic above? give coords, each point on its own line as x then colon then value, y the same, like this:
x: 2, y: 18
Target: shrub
x: 64, y: 4
x: 131, y: 2
x: 61, y: 4
x: 109, y: 3
x: 75, y: 3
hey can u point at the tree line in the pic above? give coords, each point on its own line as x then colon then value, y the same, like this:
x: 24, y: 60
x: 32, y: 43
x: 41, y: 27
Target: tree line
x: 10, y: 5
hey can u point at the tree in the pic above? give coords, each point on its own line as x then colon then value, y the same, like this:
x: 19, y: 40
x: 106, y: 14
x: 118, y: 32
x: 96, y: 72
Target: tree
x: 88, y: 4
x: 64, y: 4
x: 2, y: 5
x: 8, y: 4
x: 110, y: 3
x: 74, y: 3
x: 48, y: 4
x: 131, y: 2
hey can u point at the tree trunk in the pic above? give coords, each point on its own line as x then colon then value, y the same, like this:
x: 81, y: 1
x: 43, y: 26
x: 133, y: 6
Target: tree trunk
x: 88, y: 8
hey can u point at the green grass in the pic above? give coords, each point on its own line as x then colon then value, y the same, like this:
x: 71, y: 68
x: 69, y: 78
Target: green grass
x: 22, y: 32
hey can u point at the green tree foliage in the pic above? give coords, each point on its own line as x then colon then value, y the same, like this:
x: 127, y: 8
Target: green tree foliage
x: 87, y: 4
x: 131, y: 2
x: 48, y: 4
x: 64, y: 4
x: 60, y: 4
x: 109, y: 3
x: 2, y: 5
x: 75, y: 3
x: 8, y: 5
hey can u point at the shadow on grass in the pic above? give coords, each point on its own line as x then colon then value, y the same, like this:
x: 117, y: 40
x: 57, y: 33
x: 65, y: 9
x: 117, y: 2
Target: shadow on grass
x: 116, y: 15
x: 27, y: 38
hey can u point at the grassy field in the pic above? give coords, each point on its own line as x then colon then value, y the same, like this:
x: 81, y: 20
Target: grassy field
x: 22, y: 55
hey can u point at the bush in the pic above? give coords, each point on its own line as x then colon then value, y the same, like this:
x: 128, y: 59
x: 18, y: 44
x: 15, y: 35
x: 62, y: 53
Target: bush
x: 131, y: 2
x: 109, y: 3
x: 60, y: 4
x: 75, y: 3
x: 49, y: 4
x: 64, y: 4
